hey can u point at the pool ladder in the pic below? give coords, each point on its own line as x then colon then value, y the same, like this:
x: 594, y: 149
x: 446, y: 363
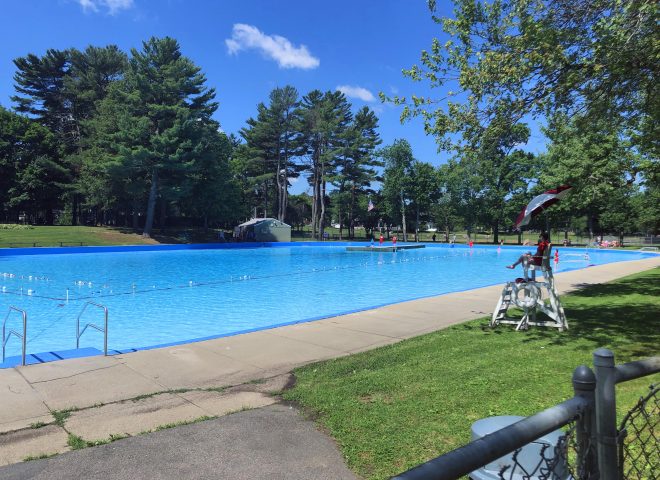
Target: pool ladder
x: 23, y: 337
x: 103, y: 330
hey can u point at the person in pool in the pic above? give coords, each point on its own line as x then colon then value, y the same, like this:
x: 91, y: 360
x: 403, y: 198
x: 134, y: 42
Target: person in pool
x: 537, y: 258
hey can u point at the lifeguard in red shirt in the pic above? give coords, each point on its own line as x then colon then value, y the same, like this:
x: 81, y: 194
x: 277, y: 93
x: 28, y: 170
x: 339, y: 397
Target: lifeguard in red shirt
x: 537, y: 258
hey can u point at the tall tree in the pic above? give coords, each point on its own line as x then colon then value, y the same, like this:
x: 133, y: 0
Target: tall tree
x: 325, y: 118
x: 284, y: 107
x: 424, y: 191
x: 164, y: 93
x: 271, y: 145
x: 595, y: 159
x: 39, y: 83
x: 503, y: 170
x: 399, y: 163
x: 31, y: 176
x: 60, y: 91
x: 356, y: 164
x: 209, y: 192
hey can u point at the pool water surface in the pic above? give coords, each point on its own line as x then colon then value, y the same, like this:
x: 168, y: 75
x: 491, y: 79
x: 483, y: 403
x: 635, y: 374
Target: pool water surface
x: 157, y: 297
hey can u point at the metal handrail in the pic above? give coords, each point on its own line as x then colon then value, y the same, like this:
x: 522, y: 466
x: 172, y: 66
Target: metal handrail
x: 14, y: 332
x: 486, y: 449
x: 95, y: 327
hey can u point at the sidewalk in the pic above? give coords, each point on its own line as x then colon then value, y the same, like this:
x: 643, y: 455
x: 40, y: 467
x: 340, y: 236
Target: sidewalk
x: 100, y: 398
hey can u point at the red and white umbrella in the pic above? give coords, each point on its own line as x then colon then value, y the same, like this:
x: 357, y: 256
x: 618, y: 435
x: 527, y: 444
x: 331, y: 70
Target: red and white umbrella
x: 540, y: 203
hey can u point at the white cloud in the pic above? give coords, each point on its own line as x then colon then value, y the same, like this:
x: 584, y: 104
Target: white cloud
x: 356, y: 92
x: 112, y: 6
x: 278, y: 48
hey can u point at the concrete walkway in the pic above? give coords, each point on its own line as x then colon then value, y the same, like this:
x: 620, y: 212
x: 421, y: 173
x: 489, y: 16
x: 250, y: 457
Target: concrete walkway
x: 273, y: 443
x: 100, y: 398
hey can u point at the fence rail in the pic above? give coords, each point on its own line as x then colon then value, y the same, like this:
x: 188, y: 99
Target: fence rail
x: 598, y: 444
x: 42, y: 244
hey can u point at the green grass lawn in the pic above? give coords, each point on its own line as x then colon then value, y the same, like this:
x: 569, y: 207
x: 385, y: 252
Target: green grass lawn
x: 392, y: 408
x: 68, y: 236
x: 43, y: 236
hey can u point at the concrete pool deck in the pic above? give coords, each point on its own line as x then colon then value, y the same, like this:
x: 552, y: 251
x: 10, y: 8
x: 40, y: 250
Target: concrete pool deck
x: 133, y: 393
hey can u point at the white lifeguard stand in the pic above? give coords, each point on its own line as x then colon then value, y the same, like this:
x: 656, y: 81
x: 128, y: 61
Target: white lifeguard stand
x: 528, y: 294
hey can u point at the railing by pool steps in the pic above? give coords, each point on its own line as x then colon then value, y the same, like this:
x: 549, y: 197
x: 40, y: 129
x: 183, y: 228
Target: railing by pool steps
x: 23, y: 336
x: 103, y: 330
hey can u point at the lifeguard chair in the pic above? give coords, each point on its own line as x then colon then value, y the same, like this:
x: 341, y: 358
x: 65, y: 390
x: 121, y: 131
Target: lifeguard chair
x: 527, y: 293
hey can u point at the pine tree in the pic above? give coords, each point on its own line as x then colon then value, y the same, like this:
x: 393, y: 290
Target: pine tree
x: 163, y: 93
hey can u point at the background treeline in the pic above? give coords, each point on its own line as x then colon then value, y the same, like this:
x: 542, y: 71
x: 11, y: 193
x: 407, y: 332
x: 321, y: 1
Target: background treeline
x: 104, y: 137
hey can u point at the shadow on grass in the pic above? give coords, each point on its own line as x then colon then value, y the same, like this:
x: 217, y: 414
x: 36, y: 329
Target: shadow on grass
x: 634, y: 286
x: 623, y: 316
x: 171, y: 237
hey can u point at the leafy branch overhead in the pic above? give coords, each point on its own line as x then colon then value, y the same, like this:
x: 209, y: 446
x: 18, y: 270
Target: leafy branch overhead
x: 517, y: 58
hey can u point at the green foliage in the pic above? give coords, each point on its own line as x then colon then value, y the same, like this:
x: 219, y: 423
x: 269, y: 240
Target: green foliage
x: 510, y: 59
x: 77, y: 443
x: 167, y: 426
x: 30, y: 172
x: 355, y: 168
x: 272, y: 140
x: 399, y: 161
x: 593, y: 158
x: 326, y: 118
x: 13, y: 226
x: 42, y: 456
x: 61, y: 416
x: 587, y: 66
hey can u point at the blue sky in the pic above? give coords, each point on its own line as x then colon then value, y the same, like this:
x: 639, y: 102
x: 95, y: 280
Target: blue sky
x: 246, y: 48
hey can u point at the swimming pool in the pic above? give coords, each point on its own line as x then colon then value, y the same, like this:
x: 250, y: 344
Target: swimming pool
x: 168, y: 295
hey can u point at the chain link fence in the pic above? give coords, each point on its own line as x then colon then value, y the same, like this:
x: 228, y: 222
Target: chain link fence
x: 639, y: 450
x: 590, y: 446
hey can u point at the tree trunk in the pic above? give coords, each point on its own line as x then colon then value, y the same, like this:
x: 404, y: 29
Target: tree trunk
x: 265, y: 199
x: 74, y: 210
x: 280, y: 188
x: 351, y: 217
x: 322, y: 215
x: 341, y: 221
x: 496, y: 233
x: 151, y: 204
x: 315, y: 199
x: 403, y: 218
x: 136, y: 219
x: 285, y: 199
x: 163, y: 212
x: 417, y: 226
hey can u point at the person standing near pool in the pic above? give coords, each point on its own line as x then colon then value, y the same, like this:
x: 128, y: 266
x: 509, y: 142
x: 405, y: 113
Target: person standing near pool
x: 537, y: 258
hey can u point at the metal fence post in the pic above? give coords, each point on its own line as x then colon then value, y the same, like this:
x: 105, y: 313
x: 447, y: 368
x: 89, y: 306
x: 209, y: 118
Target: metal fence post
x: 584, y: 385
x: 606, y: 414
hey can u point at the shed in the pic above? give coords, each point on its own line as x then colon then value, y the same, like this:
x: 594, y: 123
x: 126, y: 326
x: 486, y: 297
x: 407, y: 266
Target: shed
x: 263, y: 230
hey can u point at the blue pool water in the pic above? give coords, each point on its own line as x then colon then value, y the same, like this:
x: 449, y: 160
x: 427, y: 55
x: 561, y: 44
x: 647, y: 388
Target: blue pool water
x: 158, y: 297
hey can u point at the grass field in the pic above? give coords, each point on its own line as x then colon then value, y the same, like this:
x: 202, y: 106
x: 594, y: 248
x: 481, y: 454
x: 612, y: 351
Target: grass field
x: 392, y: 408
x: 68, y: 236
x: 42, y: 236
